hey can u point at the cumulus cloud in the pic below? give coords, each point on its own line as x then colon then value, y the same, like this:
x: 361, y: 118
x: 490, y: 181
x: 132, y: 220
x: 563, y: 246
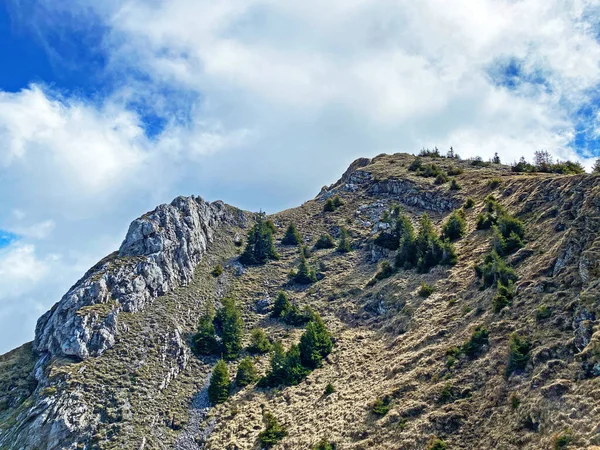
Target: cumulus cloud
x: 260, y: 102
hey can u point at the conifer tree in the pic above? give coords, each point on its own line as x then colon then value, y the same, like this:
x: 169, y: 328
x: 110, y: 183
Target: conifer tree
x: 344, y: 242
x: 259, y: 246
x: 277, y: 375
x: 596, y: 168
x: 337, y: 202
x: 456, y: 226
x: 329, y: 206
x: 325, y: 241
x: 246, y: 373
x: 205, y: 339
x: 218, y: 389
x: 315, y: 343
x: 259, y: 343
x: 273, y: 432
x: 233, y: 328
x: 305, y: 274
x: 292, y: 237
x: 281, y: 305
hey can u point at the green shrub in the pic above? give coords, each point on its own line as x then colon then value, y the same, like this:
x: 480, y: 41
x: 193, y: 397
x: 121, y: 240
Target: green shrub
x: 344, y: 242
x: 315, y: 343
x: 259, y: 246
x: 230, y: 319
x: 436, y: 444
x: 305, y: 274
x: 454, y: 186
x: 596, y: 168
x: 415, y: 165
x: 469, y: 203
x: 217, y: 271
x: 447, y: 394
x: 324, y: 444
x: 382, y: 406
x: 515, y: 401
x: 273, y: 432
x: 291, y: 237
x: 425, y: 290
x: 454, y: 170
x: 543, y: 312
x: 494, y: 183
x: 479, y: 162
x: 441, y: 178
x: 246, y: 373
x: 518, y: 356
x: 329, y: 206
x: 562, y: 440
x: 522, y: 166
x: 329, y: 389
x: 325, y: 241
x: 478, y: 340
x: 430, y: 170
x: 205, y: 340
x: 218, y: 389
x: 456, y: 226
x: 494, y: 270
x: 259, y: 342
x: 337, y: 202
x: 503, y: 297
x: 385, y: 271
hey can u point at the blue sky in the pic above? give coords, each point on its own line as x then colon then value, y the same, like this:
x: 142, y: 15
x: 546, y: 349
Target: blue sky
x: 110, y: 108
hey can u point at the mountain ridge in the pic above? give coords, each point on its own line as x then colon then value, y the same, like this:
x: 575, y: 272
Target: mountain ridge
x: 385, y: 344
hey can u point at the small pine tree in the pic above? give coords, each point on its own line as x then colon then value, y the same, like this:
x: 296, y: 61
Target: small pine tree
x: 596, y: 168
x: 205, y: 339
x: 281, y: 305
x: 329, y: 389
x: 305, y: 274
x: 277, y: 374
x: 325, y: 241
x: 324, y: 444
x: 454, y: 186
x: 246, y: 373
x: 233, y: 328
x: 456, y: 226
x: 518, y: 356
x: 218, y: 389
x: 294, y: 370
x: 329, y: 206
x: 315, y: 343
x: 273, y: 432
x: 436, y: 444
x: 217, y: 271
x: 291, y: 237
x: 259, y: 246
x: 259, y: 342
x: 337, y: 202
x: 344, y: 242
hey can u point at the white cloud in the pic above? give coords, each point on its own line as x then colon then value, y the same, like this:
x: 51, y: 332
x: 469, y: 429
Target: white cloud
x: 20, y: 270
x: 264, y: 101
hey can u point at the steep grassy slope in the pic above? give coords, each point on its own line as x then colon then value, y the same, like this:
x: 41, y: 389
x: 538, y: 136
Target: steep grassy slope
x: 390, y: 342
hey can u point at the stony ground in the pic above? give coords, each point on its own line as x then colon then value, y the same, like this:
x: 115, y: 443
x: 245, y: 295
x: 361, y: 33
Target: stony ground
x: 149, y: 390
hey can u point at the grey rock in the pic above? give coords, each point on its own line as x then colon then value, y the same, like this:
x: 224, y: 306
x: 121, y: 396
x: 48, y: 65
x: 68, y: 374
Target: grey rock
x: 159, y: 253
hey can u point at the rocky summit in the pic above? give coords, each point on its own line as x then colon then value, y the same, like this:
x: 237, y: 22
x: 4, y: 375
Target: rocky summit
x: 418, y: 303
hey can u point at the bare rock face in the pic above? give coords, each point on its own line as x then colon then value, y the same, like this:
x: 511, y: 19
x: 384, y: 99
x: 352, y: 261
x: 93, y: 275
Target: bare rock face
x: 158, y: 254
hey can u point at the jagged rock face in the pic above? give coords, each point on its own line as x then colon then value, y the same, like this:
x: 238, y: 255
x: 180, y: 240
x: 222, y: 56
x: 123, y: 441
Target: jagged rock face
x: 158, y: 254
